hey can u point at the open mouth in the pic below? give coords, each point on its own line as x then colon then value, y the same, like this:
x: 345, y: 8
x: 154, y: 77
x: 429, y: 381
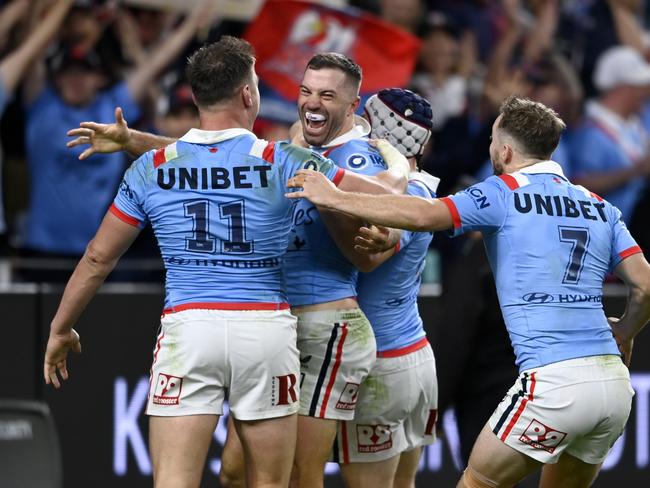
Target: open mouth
x: 314, y: 123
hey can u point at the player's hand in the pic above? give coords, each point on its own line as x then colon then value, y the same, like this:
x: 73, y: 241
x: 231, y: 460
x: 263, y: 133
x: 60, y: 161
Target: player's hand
x: 373, y: 239
x: 56, y: 354
x: 315, y: 187
x: 625, y: 344
x: 102, y: 138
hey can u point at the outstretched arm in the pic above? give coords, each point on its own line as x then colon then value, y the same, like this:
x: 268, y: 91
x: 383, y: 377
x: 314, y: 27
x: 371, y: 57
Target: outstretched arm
x: 109, y: 138
x: 111, y: 241
x: 635, y: 272
x: 398, y: 211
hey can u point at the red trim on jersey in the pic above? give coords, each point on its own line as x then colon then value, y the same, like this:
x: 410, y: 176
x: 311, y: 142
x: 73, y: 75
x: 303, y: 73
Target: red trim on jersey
x: 511, y: 181
x: 344, y: 441
x: 269, y: 151
x: 159, y: 157
x: 597, y: 197
x: 521, y: 408
x: 629, y: 251
x: 326, y: 153
x: 340, y: 173
x: 403, y: 351
x: 455, y: 216
x: 335, y: 369
x: 397, y: 247
x: 227, y: 306
x: 124, y: 217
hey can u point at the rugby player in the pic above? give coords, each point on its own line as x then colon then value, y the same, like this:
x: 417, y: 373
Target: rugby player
x: 215, y: 201
x: 550, y: 244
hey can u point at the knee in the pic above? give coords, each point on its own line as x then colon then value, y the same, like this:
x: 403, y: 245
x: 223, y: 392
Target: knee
x: 231, y: 478
x: 473, y: 479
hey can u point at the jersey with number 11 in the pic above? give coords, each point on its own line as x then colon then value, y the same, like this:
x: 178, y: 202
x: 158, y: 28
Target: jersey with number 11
x: 215, y: 200
x: 550, y: 244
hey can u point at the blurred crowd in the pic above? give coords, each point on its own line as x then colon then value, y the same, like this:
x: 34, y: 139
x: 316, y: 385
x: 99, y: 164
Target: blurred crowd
x: 64, y: 61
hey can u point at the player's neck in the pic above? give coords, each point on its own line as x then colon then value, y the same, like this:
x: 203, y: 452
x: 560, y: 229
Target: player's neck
x: 223, y: 120
x: 520, y: 163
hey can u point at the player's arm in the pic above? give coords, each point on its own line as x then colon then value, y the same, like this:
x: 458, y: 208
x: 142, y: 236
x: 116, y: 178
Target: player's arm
x: 109, y: 138
x: 635, y: 272
x: 102, y: 254
x: 398, y: 211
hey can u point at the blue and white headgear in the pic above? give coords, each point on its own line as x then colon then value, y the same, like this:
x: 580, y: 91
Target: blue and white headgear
x: 401, y: 117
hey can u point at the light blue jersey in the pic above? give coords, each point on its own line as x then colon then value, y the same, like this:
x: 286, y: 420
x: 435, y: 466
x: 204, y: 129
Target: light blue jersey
x: 316, y: 271
x: 216, y: 203
x: 550, y: 244
x: 388, y: 295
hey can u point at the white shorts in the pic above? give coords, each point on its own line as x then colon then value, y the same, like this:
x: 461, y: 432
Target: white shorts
x: 337, y: 350
x: 579, y: 406
x: 397, y: 409
x: 205, y: 356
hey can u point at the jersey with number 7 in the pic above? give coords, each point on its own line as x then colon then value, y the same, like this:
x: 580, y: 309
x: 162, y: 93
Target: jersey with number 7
x: 550, y: 244
x: 216, y: 203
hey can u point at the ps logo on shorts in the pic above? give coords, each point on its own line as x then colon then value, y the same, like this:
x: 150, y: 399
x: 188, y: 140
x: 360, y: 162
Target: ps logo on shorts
x: 168, y: 389
x: 348, y: 399
x: 541, y: 436
x: 374, y: 438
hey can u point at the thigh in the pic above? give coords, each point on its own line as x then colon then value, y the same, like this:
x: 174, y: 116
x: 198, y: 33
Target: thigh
x: 495, y: 461
x: 233, y: 471
x: 378, y: 474
x: 189, y: 370
x: 264, y: 365
x: 269, y: 446
x: 337, y: 350
x: 569, y: 472
x: 179, y: 446
x: 407, y: 468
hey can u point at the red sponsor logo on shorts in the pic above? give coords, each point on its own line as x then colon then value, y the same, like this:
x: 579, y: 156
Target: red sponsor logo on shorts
x: 168, y: 389
x: 348, y: 399
x: 374, y: 438
x: 283, y: 390
x: 542, y: 436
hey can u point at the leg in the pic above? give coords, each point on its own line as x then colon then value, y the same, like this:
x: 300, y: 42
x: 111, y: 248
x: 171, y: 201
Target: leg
x: 407, y: 468
x: 315, y: 440
x: 233, y: 470
x: 378, y: 474
x: 569, y: 472
x: 493, y: 464
x: 269, y: 447
x: 179, y: 446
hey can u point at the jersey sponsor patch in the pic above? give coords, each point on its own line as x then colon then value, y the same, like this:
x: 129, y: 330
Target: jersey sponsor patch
x: 284, y: 390
x: 374, y: 438
x: 540, y: 436
x: 357, y: 161
x: 168, y: 389
x: 478, y: 197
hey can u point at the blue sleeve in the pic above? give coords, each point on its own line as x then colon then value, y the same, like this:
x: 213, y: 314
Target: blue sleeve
x: 359, y: 157
x: 121, y: 97
x: 592, y: 152
x: 623, y: 244
x: 480, y: 207
x: 291, y: 158
x: 130, y: 199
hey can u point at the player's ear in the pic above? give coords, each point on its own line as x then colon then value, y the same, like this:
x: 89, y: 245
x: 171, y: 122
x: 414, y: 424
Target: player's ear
x: 355, y: 104
x: 507, y: 153
x: 247, y: 96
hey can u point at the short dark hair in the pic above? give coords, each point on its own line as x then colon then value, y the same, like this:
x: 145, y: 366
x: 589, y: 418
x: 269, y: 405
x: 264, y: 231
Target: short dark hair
x: 337, y: 61
x: 217, y: 70
x: 535, y: 128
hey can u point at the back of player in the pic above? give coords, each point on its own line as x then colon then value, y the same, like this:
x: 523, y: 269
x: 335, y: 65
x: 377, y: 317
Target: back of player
x: 551, y: 243
x: 216, y: 203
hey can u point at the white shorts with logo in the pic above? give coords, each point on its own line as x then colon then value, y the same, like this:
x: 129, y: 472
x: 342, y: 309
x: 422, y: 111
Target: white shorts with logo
x: 397, y: 409
x: 205, y: 356
x: 337, y: 350
x: 579, y: 406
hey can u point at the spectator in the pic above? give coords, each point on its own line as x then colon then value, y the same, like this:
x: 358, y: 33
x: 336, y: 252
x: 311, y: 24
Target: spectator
x: 68, y: 198
x: 609, y: 151
x: 15, y: 65
x: 405, y: 14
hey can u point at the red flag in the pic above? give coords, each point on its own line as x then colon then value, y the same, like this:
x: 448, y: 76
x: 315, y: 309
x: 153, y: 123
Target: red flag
x: 287, y: 33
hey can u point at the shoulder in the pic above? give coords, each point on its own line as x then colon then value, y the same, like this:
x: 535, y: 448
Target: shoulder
x: 357, y: 155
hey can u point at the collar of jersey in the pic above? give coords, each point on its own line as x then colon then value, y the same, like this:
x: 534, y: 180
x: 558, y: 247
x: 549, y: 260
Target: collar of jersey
x: 544, y: 167
x: 361, y: 129
x: 198, y: 136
